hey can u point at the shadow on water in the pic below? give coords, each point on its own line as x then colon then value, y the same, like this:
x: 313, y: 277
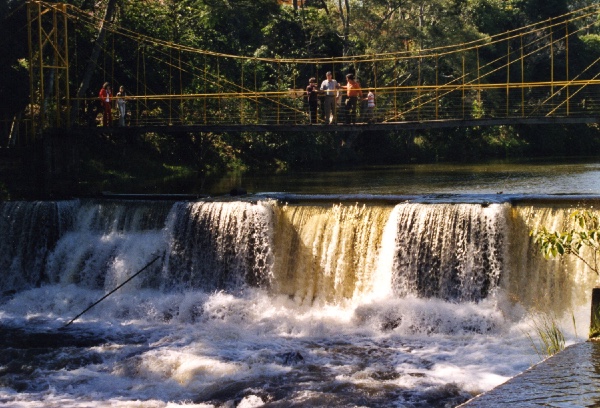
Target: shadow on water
x: 25, y: 355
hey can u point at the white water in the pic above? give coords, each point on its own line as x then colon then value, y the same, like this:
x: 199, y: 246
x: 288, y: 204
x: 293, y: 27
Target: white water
x: 297, y: 305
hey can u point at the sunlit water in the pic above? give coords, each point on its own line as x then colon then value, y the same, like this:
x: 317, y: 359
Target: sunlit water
x: 257, y: 303
x: 542, y: 177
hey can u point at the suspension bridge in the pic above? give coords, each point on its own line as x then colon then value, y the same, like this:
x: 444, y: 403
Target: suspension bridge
x: 178, y: 88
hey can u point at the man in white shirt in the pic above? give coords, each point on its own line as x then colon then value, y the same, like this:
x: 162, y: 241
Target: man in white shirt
x: 330, y: 87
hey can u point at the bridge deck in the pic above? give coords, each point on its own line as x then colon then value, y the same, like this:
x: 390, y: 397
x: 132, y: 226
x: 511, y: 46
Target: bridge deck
x: 359, y: 127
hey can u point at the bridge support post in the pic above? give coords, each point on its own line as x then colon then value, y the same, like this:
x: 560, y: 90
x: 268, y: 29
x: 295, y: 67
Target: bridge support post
x: 595, y: 314
x: 49, y: 64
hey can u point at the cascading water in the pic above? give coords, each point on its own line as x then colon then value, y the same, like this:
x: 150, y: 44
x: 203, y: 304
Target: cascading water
x: 311, y: 304
x: 327, y: 254
x: 219, y: 245
x: 556, y: 285
x: 449, y: 251
x: 28, y: 231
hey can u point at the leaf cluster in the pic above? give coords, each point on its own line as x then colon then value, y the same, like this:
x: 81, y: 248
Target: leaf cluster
x: 585, y: 234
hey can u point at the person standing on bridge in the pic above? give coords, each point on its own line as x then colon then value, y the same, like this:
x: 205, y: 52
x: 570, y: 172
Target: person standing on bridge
x: 330, y: 86
x: 370, y: 115
x: 353, y: 92
x: 104, y: 95
x: 312, y: 92
x: 121, y: 104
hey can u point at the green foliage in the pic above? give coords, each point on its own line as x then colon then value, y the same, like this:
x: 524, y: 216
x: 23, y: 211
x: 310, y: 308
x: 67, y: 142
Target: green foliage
x: 263, y: 28
x: 538, y: 10
x: 549, y: 334
x: 14, y: 92
x: 585, y: 234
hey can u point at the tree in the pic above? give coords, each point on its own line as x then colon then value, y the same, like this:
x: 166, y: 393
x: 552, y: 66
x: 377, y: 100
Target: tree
x: 91, y: 65
x: 14, y: 91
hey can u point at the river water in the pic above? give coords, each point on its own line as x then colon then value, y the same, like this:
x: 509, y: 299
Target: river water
x: 508, y: 177
x: 357, y: 289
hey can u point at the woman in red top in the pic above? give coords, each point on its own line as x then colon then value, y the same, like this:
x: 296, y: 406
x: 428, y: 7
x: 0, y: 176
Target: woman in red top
x: 353, y: 93
x: 104, y: 95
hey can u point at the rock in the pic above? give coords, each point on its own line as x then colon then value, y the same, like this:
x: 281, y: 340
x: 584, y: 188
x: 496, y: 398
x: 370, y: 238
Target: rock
x: 291, y: 358
x: 237, y: 191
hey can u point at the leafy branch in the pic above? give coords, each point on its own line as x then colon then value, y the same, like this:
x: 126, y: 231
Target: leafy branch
x: 586, y: 233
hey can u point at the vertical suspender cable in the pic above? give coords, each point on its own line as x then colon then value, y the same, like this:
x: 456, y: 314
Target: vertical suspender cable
x: 295, y: 110
x: 112, y: 73
x: 419, y: 88
x: 317, y: 78
x: 256, y: 89
x: 31, y: 87
x: 170, y: 87
x: 395, y: 87
x: 145, y: 83
x: 375, y: 68
x: 463, y: 85
x: 522, y: 79
x: 181, y: 117
x: 478, y: 78
x: 137, y: 86
x: 552, y: 62
x: 437, y: 93
x: 56, y: 63
x: 567, y: 65
x: 335, y: 113
x: 66, y: 63
x: 242, y: 98
x: 507, y: 76
x: 205, y: 88
x: 41, y: 62
x: 278, y: 89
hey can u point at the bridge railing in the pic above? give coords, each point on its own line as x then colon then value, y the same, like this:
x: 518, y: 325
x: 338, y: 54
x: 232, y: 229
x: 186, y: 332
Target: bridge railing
x: 469, y: 81
x: 16, y: 132
x: 421, y: 104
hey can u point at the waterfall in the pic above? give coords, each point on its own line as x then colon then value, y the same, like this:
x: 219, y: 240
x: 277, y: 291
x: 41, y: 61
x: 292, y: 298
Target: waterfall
x: 449, y: 251
x: 105, y: 241
x: 327, y: 253
x: 28, y: 232
x: 554, y: 285
x: 219, y: 245
x: 310, y: 252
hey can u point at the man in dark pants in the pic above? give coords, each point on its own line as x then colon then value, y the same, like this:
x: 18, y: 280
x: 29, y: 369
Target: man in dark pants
x: 312, y: 92
x: 353, y: 92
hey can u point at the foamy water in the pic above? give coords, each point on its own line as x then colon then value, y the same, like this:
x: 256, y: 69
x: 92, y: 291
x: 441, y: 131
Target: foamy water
x: 345, y: 332
x: 255, y: 348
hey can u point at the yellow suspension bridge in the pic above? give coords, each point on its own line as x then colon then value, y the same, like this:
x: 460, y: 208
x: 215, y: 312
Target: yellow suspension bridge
x: 415, y: 88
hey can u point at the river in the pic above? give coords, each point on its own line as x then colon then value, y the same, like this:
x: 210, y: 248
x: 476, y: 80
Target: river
x: 416, y: 286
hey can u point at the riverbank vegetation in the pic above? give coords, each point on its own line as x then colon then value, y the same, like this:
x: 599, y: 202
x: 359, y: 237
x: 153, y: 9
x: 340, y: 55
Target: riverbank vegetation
x: 304, y: 29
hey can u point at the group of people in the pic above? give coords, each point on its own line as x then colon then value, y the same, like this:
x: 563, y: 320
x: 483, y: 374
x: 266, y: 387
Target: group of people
x: 329, y: 90
x: 106, y: 98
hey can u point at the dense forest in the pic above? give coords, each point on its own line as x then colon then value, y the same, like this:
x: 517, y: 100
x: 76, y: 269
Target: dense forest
x: 300, y: 29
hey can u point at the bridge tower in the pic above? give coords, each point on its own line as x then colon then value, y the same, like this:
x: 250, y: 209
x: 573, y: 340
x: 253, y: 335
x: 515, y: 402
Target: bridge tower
x: 50, y: 102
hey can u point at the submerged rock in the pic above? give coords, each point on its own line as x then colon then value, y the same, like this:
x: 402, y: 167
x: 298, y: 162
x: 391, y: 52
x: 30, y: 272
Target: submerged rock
x: 291, y: 358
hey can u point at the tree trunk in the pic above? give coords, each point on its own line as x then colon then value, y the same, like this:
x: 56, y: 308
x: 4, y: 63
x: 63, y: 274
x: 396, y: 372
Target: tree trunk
x: 344, y: 11
x: 91, y: 65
